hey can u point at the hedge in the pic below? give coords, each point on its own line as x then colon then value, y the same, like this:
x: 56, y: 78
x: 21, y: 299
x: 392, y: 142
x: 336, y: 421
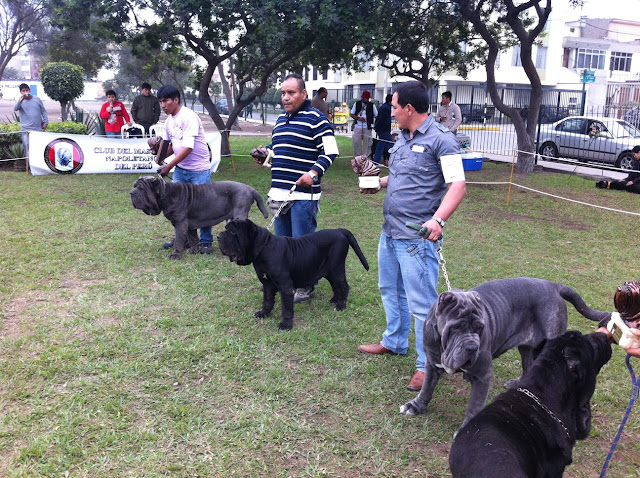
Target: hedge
x: 8, y: 139
x: 68, y: 127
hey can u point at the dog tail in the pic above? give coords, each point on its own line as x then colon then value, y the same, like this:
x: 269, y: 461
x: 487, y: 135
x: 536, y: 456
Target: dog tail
x: 567, y: 293
x: 355, y: 247
x: 260, y: 203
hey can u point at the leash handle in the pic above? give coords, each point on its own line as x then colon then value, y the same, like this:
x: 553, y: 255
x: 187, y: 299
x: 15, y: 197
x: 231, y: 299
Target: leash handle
x: 284, y: 203
x: 422, y: 231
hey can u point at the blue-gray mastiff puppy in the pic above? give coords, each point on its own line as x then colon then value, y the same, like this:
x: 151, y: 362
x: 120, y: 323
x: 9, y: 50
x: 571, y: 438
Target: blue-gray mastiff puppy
x: 465, y: 330
x: 190, y: 207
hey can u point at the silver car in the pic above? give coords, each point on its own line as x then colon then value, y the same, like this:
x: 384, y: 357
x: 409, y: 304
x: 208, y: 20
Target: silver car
x: 591, y: 139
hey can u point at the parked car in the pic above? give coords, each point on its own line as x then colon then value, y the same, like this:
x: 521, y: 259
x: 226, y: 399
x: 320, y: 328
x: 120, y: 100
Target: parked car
x: 222, y: 106
x: 478, y: 113
x: 591, y: 138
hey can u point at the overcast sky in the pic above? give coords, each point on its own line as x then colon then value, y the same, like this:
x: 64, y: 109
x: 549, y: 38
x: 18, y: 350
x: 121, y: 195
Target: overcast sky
x: 624, y: 9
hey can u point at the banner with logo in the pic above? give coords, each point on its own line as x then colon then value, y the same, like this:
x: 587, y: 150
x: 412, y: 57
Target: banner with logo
x: 60, y: 153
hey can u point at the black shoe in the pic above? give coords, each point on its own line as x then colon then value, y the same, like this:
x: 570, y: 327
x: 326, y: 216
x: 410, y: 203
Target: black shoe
x: 303, y: 294
x: 205, y: 248
x: 167, y: 245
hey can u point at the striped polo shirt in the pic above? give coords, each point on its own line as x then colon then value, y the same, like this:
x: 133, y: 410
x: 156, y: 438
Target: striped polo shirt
x: 298, y: 147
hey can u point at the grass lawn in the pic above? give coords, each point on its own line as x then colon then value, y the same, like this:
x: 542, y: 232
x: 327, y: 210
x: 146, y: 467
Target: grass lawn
x: 116, y: 362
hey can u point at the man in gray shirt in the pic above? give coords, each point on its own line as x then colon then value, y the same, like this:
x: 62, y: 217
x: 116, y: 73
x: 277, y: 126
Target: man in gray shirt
x: 425, y: 186
x: 33, y: 116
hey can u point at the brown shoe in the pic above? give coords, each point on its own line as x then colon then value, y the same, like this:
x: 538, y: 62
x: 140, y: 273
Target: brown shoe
x: 375, y: 349
x: 416, y: 381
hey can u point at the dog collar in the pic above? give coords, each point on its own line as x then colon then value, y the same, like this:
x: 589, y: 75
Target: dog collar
x: 545, y: 408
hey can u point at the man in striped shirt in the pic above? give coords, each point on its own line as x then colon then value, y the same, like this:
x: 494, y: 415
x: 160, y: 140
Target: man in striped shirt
x: 304, y: 147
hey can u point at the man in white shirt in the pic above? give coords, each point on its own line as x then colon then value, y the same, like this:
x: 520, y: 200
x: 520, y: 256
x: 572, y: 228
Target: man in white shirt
x: 449, y: 113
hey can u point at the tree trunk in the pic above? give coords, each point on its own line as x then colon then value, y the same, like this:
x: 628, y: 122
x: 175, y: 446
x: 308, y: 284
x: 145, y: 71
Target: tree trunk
x: 206, y: 101
x: 63, y: 110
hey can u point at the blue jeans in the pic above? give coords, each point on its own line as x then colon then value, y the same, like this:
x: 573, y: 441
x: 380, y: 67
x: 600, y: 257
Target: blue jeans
x: 113, y: 134
x: 301, y: 219
x: 385, y: 141
x: 184, y: 176
x: 408, y: 276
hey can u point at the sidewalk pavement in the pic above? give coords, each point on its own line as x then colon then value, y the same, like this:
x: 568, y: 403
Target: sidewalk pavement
x: 588, y: 172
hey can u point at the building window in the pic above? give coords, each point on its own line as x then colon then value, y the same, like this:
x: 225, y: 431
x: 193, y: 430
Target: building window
x: 620, y: 61
x: 515, y: 59
x: 325, y: 75
x: 541, y: 57
x: 315, y: 73
x: 590, y: 59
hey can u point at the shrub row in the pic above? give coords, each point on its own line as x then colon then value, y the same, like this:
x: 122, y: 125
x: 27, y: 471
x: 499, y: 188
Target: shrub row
x: 13, y: 130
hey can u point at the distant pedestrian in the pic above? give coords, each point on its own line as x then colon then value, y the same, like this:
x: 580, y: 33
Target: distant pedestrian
x: 449, y: 113
x: 115, y: 115
x: 383, y: 129
x: 33, y: 116
x: 364, y: 114
x: 146, y: 108
x: 319, y: 101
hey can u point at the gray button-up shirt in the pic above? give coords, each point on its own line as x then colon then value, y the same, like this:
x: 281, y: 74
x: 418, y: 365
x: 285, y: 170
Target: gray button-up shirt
x: 416, y: 184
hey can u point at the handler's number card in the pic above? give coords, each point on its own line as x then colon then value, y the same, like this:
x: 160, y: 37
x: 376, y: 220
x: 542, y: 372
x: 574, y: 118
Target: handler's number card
x: 452, y: 168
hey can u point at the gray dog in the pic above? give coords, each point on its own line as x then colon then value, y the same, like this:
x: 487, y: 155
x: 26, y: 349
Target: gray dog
x: 190, y: 207
x: 465, y: 330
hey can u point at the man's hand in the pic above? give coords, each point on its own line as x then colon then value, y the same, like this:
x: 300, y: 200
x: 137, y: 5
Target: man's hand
x: 435, y: 230
x: 634, y: 352
x: 164, y: 170
x: 383, y: 184
x: 305, y: 180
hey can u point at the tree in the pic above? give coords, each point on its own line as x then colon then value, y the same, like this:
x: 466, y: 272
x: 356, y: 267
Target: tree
x: 498, y: 22
x: 260, y: 37
x: 62, y: 82
x: 422, y: 39
x: 78, y: 47
x: 21, y: 24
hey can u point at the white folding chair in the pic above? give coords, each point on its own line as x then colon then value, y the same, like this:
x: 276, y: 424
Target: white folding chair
x: 156, y: 130
x: 125, y: 129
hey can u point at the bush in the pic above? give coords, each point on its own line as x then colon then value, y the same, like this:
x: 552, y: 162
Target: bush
x: 7, y: 140
x: 68, y: 127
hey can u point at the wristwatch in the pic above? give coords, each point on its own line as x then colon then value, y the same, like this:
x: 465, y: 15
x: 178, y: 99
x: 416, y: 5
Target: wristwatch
x: 315, y: 178
x: 439, y: 220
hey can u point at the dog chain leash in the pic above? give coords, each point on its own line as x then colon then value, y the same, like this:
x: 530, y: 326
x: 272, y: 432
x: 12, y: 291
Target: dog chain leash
x: 443, y: 265
x: 284, y: 203
x: 545, y: 408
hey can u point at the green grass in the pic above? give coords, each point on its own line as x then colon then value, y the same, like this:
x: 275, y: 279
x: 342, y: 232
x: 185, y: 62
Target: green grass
x: 117, y: 362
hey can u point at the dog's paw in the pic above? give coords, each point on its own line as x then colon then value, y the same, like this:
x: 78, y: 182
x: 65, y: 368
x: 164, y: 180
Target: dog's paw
x: 261, y: 314
x: 340, y: 304
x: 285, y: 325
x: 175, y: 256
x: 409, y: 409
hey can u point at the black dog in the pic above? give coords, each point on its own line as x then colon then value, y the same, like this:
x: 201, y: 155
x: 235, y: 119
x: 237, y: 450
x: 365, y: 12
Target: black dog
x: 285, y: 263
x: 531, y: 431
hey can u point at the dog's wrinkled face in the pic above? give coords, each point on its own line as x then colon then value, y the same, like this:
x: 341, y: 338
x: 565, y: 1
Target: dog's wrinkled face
x: 237, y: 241
x: 146, y: 194
x: 582, y: 356
x: 461, y: 325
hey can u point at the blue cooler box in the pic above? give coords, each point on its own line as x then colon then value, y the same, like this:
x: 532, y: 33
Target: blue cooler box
x: 472, y: 161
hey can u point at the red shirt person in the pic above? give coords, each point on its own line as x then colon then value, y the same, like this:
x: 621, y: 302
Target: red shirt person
x: 115, y: 115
